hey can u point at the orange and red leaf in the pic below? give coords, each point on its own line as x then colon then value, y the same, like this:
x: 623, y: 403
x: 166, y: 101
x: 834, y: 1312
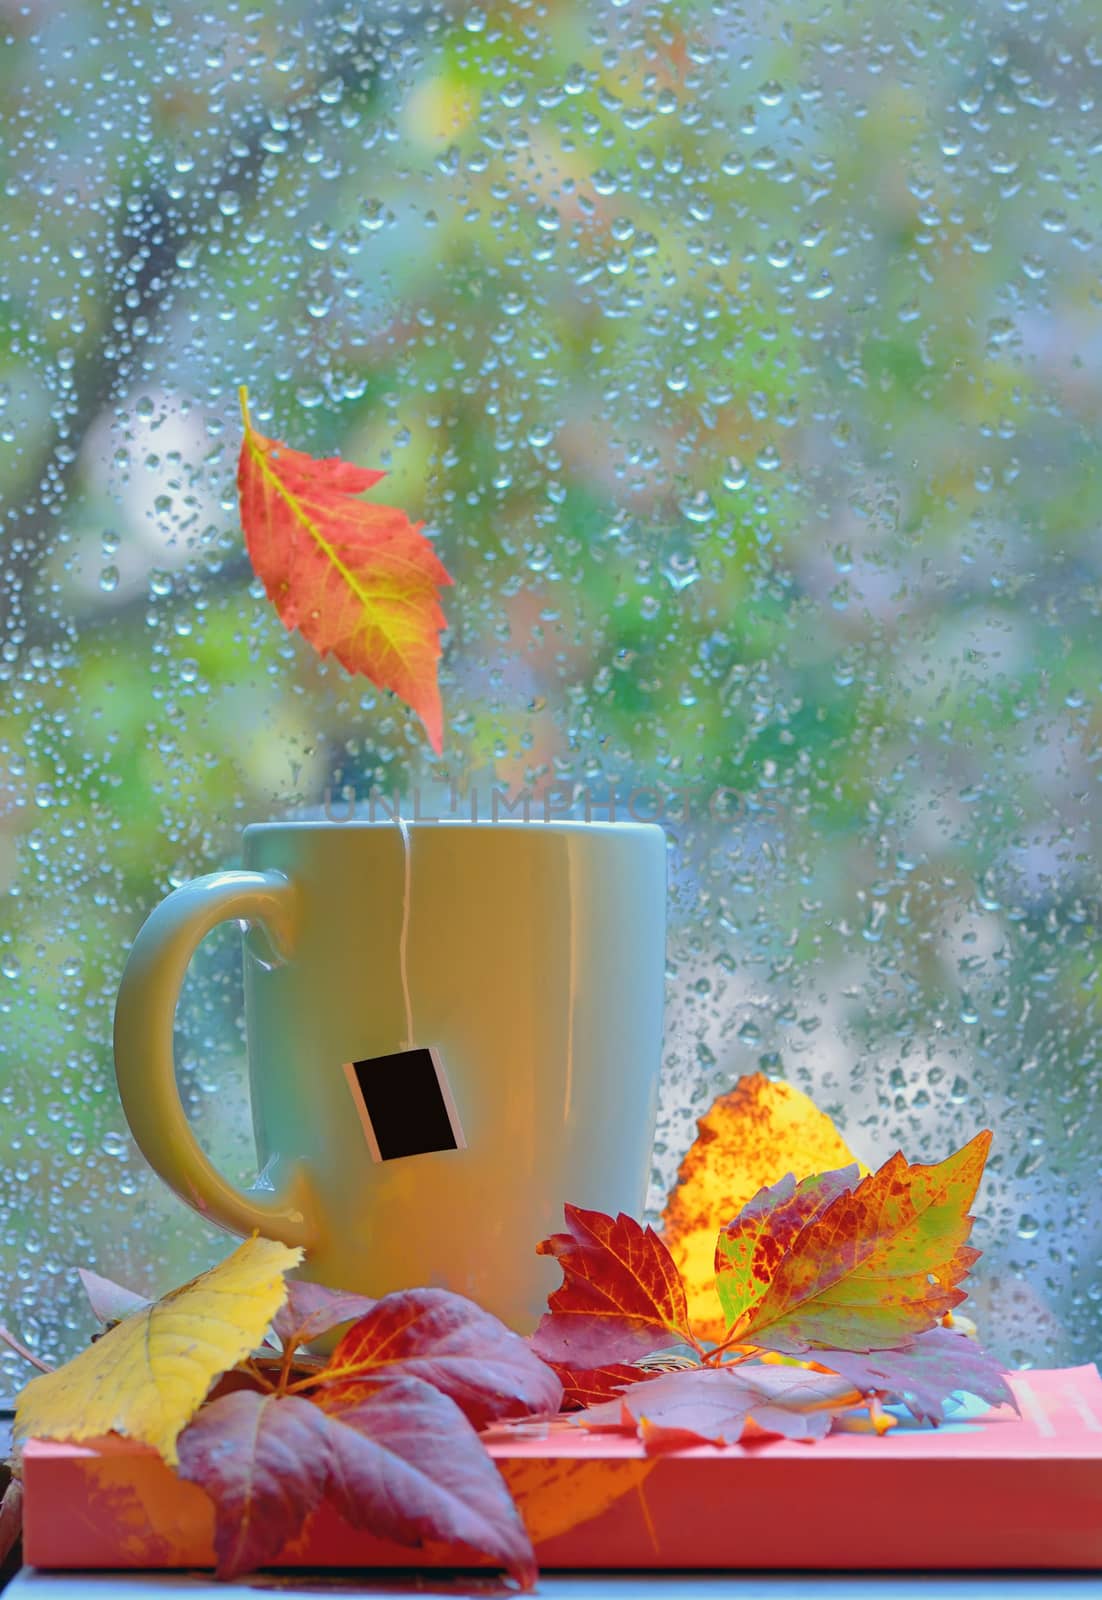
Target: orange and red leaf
x: 359, y: 581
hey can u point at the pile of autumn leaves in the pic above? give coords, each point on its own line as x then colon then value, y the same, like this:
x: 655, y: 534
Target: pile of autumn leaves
x: 833, y: 1294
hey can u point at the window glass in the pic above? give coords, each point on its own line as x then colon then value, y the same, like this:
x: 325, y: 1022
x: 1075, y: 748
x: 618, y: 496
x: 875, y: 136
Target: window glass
x: 743, y: 361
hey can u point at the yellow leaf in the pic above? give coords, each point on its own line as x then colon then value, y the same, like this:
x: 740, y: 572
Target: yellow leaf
x: 556, y: 1494
x: 149, y: 1374
x: 749, y: 1138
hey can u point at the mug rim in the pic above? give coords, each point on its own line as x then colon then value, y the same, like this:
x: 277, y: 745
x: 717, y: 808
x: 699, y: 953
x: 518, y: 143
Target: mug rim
x: 360, y: 825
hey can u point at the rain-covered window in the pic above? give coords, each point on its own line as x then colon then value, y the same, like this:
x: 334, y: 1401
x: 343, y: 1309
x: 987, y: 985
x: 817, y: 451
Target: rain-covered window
x: 743, y: 362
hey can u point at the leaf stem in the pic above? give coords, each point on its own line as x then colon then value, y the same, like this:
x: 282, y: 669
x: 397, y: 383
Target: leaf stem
x: 747, y: 1353
x: 258, y: 1373
x: 243, y: 396
x: 311, y: 1380
x: 731, y: 1342
x: 286, y: 1364
x: 715, y: 1358
x: 20, y: 1349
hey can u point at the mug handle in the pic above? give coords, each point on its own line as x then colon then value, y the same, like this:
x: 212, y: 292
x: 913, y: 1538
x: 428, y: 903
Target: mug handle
x: 144, y: 1064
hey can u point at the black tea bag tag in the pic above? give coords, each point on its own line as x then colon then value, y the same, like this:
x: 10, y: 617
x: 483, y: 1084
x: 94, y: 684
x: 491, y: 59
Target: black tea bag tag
x: 405, y: 1104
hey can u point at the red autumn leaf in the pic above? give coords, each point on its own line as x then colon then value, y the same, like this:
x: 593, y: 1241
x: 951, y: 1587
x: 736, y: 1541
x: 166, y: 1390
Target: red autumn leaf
x: 359, y: 581
x: 621, y: 1294
x: 311, y: 1310
x: 449, y: 1342
x: 939, y: 1363
x: 714, y: 1405
x: 263, y: 1461
x: 877, y: 1266
x: 403, y: 1462
x: 425, y: 1476
x: 589, y: 1386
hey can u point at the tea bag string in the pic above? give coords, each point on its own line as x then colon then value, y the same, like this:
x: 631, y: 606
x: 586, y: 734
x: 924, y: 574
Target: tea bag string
x: 403, y: 938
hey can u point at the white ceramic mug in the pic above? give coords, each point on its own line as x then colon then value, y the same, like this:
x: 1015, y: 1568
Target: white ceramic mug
x: 452, y: 1029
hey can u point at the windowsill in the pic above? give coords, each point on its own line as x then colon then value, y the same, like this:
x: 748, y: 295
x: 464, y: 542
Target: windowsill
x: 33, y: 1585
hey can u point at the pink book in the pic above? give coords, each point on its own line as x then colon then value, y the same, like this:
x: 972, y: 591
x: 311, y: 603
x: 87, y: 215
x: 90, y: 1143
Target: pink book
x: 986, y: 1489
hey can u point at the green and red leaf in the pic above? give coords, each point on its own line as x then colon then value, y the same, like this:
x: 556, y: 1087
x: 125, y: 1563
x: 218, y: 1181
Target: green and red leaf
x: 750, y: 1248
x: 878, y: 1265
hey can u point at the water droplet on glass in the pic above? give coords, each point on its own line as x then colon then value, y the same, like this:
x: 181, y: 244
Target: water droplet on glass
x: 680, y: 571
x: 698, y: 507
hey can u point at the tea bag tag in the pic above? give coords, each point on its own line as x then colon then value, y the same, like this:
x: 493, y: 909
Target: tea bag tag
x: 405, y: 1104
